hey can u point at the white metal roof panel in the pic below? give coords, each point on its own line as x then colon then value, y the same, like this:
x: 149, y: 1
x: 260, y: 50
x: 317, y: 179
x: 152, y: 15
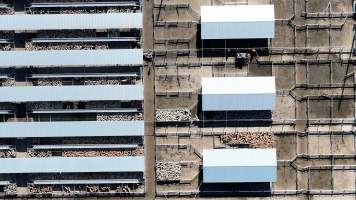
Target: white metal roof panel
x: 71, y: 164
x: 237, y: 22
x: 71, y: 93
x: 71, y: 129
x: 238, y: 85
x: 239, y: 157
x: 237, y: 13
x: 70, y: 21
x: 237, y: 30
x: 48, y: 58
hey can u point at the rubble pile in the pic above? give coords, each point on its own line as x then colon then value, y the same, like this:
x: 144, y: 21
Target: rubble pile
x: 8, y: 82
x: 168, y: 171
x: 80, y: 10
x: 123, y: 188
x: 8, y: 153
x: 174, y: 115
x: 7, y: 11
x: 35, y: 153
x: 39, y: 189
x: 6, y: 47
x: 103, y: 153
x: 119, y: 117
x: 49, y: 82
x: 104, y: 188
x: 254, y: 140
x: 10, y: 189
x: 92, y: 188
x: 102, y: 82
x: 65, y: 46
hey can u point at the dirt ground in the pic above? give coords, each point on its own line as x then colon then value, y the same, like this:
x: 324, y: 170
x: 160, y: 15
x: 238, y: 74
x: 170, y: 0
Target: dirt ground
x: 315, y: 108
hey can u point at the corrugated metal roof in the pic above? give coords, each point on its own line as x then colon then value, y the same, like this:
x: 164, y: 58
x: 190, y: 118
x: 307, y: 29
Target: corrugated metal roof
x: 71, y: 129
x: 239, y: 157
x: 48, y: 58
x: 71, y: 93
x: 238, y: 93
x: 239, y: 85
x: 237, y: 13
x: 239, y: 165
x: 70, y: 21
x: 3, y: 183
x: 237, y: 22
x: 71, y: 164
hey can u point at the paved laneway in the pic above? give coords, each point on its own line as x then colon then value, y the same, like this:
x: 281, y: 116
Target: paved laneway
x: 149, y: 102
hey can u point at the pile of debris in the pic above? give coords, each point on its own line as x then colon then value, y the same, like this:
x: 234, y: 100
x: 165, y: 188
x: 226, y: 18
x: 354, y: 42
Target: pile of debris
x: 6, y: 47
x: 119, y: 117
x: 168, y: 171
x: 92, y: 188
x: 254, y: 140
x: 7, y: 11
x: 102, y: 82
x: 49, y: 82
x: 123, y: 189
x: 103, y: 153
x: 8, y: 153
x: 66, y: 33
x: 35, y: 153
x: 39, y: 189
x: 8, y: 82
x: 63, y: 46
x: 173, y: 115
x: 10, y: 189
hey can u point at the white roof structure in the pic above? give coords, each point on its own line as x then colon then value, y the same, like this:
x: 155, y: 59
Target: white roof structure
x: 50, y: 58
x: 71, y: 129
x: 239, y: 165
x: 71, y: 93
x: 238, y: 93
x: 71, y: 164
x: 70, y: 21
x: 237, y: 22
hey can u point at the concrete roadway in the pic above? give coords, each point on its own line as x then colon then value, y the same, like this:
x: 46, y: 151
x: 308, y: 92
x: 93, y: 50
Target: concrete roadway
x: 149, y: 104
